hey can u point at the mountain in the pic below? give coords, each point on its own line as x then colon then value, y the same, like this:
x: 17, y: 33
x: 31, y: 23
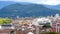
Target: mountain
x: 30, y: 10
x: 6, y: 3
x: 56, y: 7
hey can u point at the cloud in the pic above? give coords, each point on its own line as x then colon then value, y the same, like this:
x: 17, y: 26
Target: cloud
x: 47, y: 2
x: 51, y: 2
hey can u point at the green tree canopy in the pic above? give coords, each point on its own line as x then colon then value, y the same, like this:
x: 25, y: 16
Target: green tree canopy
x: 1, y: 21
x: 47, y: 25
x: 5, y: 21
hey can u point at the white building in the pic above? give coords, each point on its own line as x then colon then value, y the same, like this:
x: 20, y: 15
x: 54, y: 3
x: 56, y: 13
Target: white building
x: 42, y: 20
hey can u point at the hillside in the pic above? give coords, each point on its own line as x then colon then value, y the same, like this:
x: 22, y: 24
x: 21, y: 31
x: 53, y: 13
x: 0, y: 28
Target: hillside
x: 56, y: 7
x: 27, y: 10
x: 5, y: 3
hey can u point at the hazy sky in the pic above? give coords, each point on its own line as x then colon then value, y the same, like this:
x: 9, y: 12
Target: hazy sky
x: 48, y: 2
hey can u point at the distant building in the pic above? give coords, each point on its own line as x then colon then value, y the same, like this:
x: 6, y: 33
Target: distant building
x: 56, y: 26
x: 41, y: 21
x: 6, y: 26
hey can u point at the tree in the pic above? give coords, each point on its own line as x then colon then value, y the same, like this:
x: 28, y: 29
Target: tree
x: 47, y: 25
x: 1, y: 21
x: 50, y: 33
x: 7, y: 20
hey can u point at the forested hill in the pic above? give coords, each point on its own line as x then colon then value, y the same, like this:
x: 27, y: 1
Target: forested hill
x: 29, y: 10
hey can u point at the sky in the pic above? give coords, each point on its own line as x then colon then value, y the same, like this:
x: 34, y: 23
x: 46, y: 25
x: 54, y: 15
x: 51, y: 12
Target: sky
x: 47, y: 2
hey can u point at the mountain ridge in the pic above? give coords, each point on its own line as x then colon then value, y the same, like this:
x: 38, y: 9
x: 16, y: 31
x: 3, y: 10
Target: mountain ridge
x: 6, y: 3
x: 30, y: 10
